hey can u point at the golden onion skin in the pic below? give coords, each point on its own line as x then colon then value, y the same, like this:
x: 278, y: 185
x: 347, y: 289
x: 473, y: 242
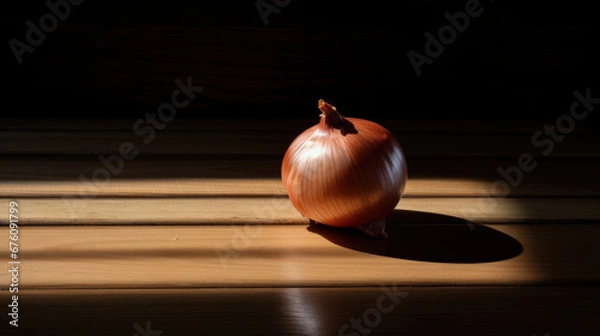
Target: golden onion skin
x: 345, y: 172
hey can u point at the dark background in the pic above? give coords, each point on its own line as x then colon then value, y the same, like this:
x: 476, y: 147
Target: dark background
x: 119, y: 59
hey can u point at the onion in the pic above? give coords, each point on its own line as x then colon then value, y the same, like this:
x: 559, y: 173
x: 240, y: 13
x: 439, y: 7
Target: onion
x: 345, y: 172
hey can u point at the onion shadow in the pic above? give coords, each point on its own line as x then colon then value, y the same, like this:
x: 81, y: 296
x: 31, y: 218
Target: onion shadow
x: 424, y: 236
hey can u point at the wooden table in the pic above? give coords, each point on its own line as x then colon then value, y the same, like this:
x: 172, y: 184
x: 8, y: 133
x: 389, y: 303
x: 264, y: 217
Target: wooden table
x: 196, y: 235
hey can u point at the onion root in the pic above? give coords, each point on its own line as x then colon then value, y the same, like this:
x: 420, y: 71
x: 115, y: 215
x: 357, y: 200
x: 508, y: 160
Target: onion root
x: 375, y: 229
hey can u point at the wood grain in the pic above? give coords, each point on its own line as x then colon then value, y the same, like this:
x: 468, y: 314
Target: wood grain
x: 293, y: 256
x: 193, y: 176
x: 497, y: 311
x: 279, y: 210
x: 196, y: 236
x: 198, y: 232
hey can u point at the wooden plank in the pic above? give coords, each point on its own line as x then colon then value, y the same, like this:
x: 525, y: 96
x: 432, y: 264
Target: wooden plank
x: 478, y: 311
x: 276, y: 143
x: 284, y: 124
x: 173, y: 176
x: 298, y: 256
x: 204, y: 187
x: 279, y: 210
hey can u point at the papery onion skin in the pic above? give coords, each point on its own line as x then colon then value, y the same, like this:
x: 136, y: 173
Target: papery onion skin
x: 345, y: 172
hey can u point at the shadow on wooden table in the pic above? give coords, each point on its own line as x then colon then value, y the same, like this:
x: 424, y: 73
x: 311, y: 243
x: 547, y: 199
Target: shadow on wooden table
x: 425, y: 236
